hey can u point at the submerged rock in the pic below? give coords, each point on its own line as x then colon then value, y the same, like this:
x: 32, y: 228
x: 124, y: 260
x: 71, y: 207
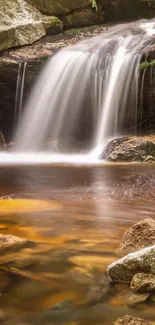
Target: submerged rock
x: 124, y: 269
x: 130, y: 149
x: 142, y: 282
x: 140, y: 235
x: 98, y: 289
x: 9, y: 242
x: 129, y: 320
x: 136, y: 298
x: 62, y: 311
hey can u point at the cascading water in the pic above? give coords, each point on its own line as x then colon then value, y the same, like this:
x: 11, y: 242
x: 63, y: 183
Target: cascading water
x: 19, y: 93
x: 101, y: 74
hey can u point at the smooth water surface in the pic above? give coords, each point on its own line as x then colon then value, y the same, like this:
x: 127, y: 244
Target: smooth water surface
x: 74, y: 219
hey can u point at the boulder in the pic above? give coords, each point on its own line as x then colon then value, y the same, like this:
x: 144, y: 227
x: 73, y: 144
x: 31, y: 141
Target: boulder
x: 53, y: 25
x: 59, y: 7
x: 129, y: 320
x: 20, y: 24
x: 142, y: 282
x: 140, y: 235
x: 81, y: 18
x: 130, y: 149
x: 124, y: 269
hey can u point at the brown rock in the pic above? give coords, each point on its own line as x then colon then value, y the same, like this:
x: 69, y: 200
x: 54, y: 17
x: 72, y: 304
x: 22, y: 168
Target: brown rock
x: 129, y: 320
x: 9, y: 241
x: 142, y: 282
x: 141, y: 235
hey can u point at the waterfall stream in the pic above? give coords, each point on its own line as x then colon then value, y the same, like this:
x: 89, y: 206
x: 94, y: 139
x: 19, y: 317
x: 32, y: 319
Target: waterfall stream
x: 95, y: 80
x: 102, y: 70
x: 19, y: 93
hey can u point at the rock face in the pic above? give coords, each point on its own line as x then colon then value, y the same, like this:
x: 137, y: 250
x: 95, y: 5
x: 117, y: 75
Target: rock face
x: 142, y: 282
x: 129, y: 320
x: 20, y: 24
x: 59, y: 7
x: 139, y: 236
x: 130, y: 149
x: 124, y: 269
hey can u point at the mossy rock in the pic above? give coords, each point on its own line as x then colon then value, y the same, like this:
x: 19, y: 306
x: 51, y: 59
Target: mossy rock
x: 53, y: 25
x: 59, y: 7
x: 20, y: 24
x: 85, y: 17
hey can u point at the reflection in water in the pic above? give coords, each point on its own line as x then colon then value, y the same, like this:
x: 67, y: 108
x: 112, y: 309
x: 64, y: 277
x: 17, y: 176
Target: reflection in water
x: 76, y: 218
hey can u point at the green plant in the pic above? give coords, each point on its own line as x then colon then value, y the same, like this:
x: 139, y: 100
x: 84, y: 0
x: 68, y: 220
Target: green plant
x: 152, y: 63
x: 144, y: 65
x: 94, y: 5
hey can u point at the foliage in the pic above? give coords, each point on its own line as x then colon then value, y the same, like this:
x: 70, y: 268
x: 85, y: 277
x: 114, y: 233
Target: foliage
x: 152, y: 64
x: 144, y: 65
x: 94, y: 5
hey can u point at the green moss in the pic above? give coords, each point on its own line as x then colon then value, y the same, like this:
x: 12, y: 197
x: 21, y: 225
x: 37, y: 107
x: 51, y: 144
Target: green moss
x: 152, y: 63
x: 144, y: 65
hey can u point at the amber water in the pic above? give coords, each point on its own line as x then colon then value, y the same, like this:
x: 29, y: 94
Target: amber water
x: 74, y: 219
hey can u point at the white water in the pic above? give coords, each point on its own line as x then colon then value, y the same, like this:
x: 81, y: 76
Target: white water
x: 101, y: 74
x: 19, y: 93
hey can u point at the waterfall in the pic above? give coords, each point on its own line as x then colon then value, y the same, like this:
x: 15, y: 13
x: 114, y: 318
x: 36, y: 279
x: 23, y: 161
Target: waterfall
x: 19, y: 93
x: 101, y: 75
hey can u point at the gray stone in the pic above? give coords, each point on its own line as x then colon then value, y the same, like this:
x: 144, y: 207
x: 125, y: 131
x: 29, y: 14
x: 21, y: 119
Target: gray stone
x: 142, y: 282
x: 124, y: 269
x: 129, y: 149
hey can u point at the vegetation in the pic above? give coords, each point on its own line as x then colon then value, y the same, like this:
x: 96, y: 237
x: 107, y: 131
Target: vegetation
x: 94, y: 5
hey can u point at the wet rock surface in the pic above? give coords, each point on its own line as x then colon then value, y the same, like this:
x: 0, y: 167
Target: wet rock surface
x: 11, y: 242
x: 129, y: 320
x: 131, y: 149
x: 140, y: 235
x: 124, y: 269
x: 142, y: 282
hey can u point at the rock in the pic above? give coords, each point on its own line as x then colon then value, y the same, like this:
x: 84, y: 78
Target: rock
x: 142, y: 282
x: 129, y: 320
x: 52, y: 24
x: 11, y: 242
x: 59, y: 7
x: 98, y: 289
x: 149, y: 159
x: 60, y: 312
x: 124, y: 269
x: 20, y: 24
x: 140, y: 235
x: 130, y: 149
x: 85, y: 17
x: 135, y: 299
